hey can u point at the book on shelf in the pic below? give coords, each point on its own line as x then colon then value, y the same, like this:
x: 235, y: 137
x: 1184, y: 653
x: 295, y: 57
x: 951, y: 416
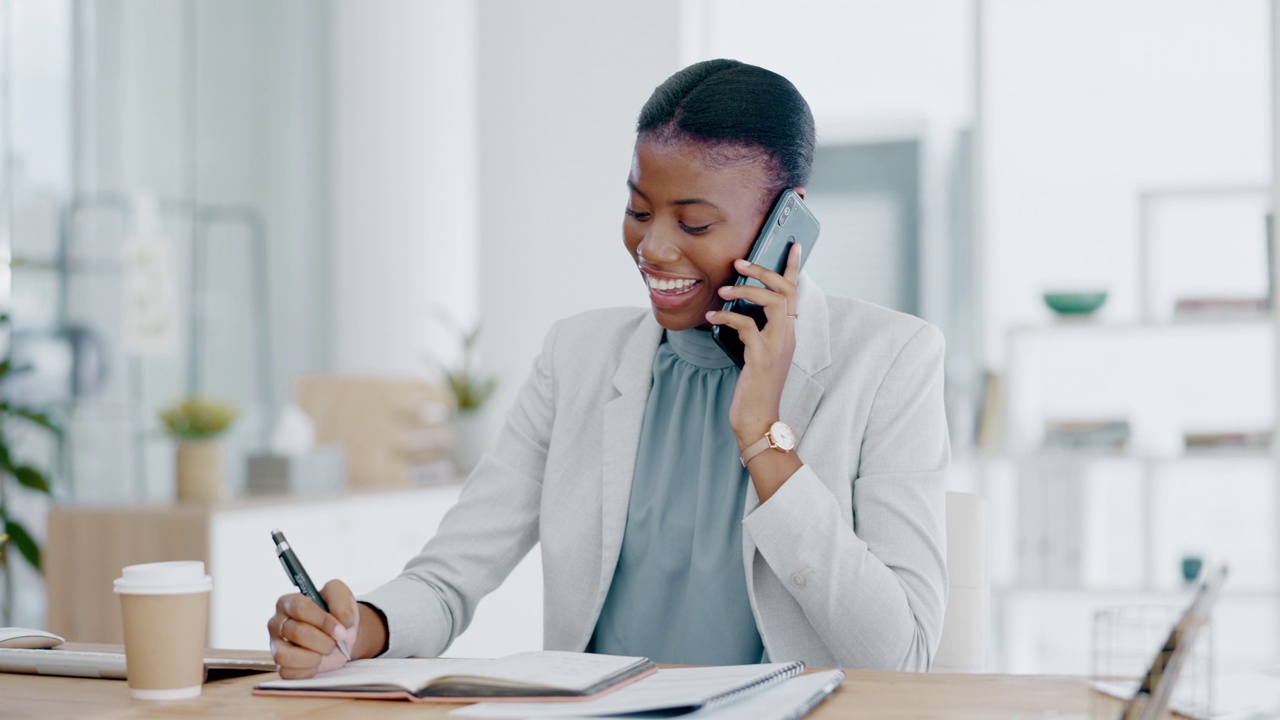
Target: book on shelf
x: 528, y: 675
x: 1229, y: 307
x: 991, y: 414
x: 1097, y: 435
x: 1269, y: 221
x: 1237, y: 440
x: 1220, y: 307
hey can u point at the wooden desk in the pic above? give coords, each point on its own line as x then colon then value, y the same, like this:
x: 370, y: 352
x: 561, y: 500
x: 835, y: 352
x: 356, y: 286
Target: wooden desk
x: 865, y: 694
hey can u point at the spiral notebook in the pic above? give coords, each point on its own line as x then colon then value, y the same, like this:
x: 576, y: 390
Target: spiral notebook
x: 669, y: 691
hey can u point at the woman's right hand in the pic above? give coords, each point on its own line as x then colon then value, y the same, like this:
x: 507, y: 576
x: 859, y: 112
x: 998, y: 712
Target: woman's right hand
x: 304, y: 638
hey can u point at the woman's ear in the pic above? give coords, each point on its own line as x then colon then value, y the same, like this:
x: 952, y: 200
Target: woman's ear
x: 799, y: 191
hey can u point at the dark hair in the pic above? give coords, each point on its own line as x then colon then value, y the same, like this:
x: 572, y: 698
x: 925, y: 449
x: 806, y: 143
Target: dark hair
x: 740, y: 112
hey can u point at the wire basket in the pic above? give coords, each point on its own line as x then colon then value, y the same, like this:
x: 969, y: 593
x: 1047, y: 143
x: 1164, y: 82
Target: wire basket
x: 1126, y: 639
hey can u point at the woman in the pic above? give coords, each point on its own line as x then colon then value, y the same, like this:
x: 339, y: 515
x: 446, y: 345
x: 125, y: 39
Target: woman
x: 638, y: 454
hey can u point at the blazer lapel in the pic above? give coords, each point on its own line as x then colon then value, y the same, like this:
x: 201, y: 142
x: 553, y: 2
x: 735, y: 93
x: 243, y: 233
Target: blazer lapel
x: 623, y: 419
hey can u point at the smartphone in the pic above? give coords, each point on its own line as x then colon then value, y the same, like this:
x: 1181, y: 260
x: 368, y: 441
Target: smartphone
x: 789, y: 222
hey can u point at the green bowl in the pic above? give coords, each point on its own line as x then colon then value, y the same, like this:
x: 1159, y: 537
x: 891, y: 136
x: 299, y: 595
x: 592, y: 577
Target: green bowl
x: 1075, y: 303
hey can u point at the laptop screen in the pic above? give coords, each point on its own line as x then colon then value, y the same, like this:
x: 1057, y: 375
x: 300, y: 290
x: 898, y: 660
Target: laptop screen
x: 1156, y: 690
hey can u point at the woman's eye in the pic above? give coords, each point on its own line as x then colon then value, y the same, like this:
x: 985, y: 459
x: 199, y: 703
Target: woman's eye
x: 637, y: 215
x: 695, y: 230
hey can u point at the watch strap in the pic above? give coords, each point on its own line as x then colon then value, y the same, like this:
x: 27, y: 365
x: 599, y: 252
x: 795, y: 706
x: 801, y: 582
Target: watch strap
x: 755, y: 449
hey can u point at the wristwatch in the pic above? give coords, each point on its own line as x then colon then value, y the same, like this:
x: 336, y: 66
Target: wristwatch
x: 780, y: 437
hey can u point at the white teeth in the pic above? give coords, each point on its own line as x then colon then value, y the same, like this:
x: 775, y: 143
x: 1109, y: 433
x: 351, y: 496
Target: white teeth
x: 667, y: 285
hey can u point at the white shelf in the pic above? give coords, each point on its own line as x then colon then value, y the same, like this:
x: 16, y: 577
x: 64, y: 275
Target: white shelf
x: 1037, y: 592
x: 1085, y: 325
x: 1229, y: 455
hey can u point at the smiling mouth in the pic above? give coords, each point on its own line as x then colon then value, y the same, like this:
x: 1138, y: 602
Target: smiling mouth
x: 667, y: 286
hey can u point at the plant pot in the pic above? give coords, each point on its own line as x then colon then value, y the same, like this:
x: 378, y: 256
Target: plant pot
x: 469, y: 441
x: 199, y: 471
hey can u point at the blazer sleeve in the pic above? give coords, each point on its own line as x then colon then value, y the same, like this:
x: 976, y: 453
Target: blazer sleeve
x: 875, y: 592
x: 483, y: 537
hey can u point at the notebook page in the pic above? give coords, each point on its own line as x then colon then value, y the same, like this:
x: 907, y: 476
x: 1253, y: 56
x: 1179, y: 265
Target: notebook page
x: 787, y: 700
x: 667, y: 688
x: 409, y: 673
x: 564, y: 670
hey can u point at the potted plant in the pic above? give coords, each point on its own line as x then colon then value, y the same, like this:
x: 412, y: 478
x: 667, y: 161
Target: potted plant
x: 14, y: 536
x: 197, y: 424
x: 470, y: 389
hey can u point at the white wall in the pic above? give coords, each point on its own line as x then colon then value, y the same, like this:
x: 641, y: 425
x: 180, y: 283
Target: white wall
x: 878, y: 71
x: 1088, y: 102
x: 871, y: 70
x: 560, y: 88
x: 212, y: 103
x: 865, y: 62
x: 404, y: 181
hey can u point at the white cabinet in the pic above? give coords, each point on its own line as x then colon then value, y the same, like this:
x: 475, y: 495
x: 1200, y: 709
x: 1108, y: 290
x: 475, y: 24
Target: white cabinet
x: 1077, y: 530
x: 364, y: 538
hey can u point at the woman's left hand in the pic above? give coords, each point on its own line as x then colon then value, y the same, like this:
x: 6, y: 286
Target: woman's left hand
x: 767, y: 354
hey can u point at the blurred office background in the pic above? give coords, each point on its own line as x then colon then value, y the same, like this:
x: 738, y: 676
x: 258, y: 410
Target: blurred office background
x: 341, y: 184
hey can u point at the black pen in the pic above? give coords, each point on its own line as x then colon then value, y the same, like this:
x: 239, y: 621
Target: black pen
x: 301, y: 580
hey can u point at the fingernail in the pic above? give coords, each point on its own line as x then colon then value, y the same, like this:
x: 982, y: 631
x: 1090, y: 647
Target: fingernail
x: 340, y: 632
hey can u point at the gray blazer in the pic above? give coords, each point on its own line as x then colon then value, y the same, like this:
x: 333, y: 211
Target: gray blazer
x: 845, y: 564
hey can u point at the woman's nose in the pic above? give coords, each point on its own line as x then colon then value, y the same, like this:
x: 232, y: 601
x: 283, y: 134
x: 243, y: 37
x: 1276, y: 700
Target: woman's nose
x: 658, y: 246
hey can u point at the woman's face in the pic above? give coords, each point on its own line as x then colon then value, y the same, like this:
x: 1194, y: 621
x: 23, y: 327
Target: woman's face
x: 686, y: 223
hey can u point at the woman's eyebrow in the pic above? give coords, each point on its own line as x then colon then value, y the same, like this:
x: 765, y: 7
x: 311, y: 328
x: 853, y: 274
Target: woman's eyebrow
x: 685, y: 201
x: 695, y: 201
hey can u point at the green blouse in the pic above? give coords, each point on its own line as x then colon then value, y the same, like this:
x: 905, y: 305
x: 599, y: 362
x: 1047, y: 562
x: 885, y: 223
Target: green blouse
x: 679, y: 592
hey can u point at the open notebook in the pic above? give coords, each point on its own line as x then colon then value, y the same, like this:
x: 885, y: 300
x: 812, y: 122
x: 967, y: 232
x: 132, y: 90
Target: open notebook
x: 523, y: 676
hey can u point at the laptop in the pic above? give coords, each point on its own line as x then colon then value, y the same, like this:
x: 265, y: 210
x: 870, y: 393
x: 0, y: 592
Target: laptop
x: 107, y: 661
x: 1154, y: 693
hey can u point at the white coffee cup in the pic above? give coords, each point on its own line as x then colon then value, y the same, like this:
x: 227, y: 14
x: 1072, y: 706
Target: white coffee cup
x: 165, y: 608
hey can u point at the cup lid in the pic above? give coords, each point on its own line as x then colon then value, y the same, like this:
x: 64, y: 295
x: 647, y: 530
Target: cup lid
x: 164, y: 578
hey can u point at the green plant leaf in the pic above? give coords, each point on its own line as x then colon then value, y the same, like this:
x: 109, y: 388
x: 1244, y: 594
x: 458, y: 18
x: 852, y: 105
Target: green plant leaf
x: 30, y: 477
x: 22, y: 540
x: 34, y: 416
x: 6, y: 462
x: 196, y: 418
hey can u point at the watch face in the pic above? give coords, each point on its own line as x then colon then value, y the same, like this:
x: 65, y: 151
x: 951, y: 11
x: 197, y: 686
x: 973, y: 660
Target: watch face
x: 783, y: 436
